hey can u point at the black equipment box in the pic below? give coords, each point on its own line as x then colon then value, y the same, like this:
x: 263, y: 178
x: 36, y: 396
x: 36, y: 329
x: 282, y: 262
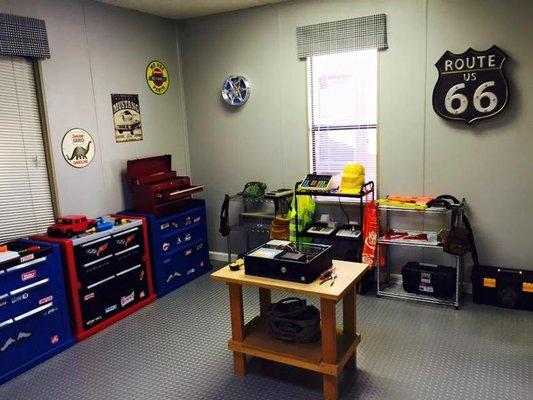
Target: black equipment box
x: 280, y: 259
x: 502, y: 287
x: 433, y: 280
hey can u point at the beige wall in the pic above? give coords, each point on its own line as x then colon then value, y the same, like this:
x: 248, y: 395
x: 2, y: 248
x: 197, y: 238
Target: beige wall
x: 489, y: 164
x: 97, y: 50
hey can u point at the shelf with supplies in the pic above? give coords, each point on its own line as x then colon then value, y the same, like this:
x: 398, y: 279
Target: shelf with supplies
x: 252, y: 216
x: 348, y: 232
x: 425, y: 239
x: 367, y: 190
x: 432, y: 239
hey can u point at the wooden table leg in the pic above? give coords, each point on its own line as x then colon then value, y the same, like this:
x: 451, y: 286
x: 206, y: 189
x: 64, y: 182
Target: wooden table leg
x: 349, y: 322
x: 237, y: 326
x: 329, y: 346
x: 265, y: 300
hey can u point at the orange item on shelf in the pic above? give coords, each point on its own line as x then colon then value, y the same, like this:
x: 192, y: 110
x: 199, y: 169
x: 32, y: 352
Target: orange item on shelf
x: 410, y: 199
x: 3, y: 248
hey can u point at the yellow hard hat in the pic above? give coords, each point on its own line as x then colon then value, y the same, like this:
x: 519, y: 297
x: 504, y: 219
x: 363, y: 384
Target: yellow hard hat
x: 353, y: 177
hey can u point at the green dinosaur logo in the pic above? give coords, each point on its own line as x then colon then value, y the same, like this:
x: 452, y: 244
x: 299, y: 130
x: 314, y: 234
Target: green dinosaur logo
x: 80, y: 152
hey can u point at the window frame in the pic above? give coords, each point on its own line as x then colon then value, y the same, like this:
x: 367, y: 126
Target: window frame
x: 316, y: 128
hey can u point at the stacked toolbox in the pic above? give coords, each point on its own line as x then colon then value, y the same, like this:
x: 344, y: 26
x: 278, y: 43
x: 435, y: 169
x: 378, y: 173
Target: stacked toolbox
x: 109, y: 275
x: 34, y: 320
x: 179, y: 246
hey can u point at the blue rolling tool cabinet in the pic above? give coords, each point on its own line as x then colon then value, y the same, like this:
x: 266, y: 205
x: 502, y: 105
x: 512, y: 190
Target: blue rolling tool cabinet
x: 178, y: 243
x: 34, y: 319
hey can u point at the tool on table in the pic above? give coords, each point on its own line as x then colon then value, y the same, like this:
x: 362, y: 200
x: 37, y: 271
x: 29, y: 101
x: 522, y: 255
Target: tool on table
x: 328, y: 275
x: 236, y: 265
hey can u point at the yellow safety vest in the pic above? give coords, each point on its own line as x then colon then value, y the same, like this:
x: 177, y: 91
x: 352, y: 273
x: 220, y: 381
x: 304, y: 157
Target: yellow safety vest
x: 306, y: 210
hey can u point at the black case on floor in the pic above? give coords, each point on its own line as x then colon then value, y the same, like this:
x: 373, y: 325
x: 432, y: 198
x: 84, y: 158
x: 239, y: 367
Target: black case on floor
x: 429, y: 279
x: 502, y: 287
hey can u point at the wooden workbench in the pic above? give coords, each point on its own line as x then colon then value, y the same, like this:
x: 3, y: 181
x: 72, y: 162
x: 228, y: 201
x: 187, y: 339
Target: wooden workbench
x: 336, y: 349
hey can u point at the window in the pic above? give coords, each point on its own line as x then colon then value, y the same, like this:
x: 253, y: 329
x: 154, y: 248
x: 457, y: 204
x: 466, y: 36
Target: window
x: 343, y: 112
x: 25, y: 196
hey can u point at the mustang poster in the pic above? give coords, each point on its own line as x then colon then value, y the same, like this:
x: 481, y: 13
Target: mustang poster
x: 126, y: 117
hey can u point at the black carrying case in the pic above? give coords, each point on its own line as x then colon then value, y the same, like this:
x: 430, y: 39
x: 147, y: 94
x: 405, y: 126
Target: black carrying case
x: 433, y: 280
x: 504, y: 287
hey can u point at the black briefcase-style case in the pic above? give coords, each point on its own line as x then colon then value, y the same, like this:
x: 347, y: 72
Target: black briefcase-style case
x: 504, y: 287
x: 429, y: 279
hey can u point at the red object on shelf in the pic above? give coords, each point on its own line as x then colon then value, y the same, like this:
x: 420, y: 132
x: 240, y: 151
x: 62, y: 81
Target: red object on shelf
x: 156, y: 188
x: 75, y: 286
x: 69, y: 225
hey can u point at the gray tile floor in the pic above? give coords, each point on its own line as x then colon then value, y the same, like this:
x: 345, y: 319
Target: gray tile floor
x: 176, y: 348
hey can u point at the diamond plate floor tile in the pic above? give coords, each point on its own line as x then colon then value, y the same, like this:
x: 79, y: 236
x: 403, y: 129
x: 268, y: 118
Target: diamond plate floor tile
x: 176, y: 348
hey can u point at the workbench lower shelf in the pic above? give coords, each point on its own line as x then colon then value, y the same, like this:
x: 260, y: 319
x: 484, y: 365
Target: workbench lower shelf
x: 258, y: 343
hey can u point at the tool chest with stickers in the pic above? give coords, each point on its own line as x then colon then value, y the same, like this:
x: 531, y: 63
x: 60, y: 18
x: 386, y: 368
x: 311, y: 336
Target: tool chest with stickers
x: 178, y: 245
x: 34, y: 318
x: 108, y: 273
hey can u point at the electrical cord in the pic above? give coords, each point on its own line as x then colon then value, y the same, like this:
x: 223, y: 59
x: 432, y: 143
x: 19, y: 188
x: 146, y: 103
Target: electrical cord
x: 344, y: 211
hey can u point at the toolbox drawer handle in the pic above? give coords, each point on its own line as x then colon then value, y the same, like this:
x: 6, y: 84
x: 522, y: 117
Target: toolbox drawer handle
x: 97, y: 261
x: 5, y: 323
x: 33, y: 285
x: 126, y: 250
x: 32, y: 312
x: 100, y: 282
x: 126, y: 232
x: 129, y: 270
x: 26, y: 264
x: 96, y: 241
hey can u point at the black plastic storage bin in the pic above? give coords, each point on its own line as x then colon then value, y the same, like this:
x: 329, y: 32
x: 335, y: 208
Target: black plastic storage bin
x: 504, y: 287
x: 429, y: 279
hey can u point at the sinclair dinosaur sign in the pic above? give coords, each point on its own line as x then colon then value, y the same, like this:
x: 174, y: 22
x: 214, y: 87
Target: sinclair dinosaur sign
x: 78, y: 148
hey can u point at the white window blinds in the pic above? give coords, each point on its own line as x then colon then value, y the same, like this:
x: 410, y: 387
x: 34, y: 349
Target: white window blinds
x: 343, y: 109
x: 25, y: 197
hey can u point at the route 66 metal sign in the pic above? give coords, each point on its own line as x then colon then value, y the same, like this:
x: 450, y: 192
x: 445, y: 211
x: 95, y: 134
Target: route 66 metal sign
x: 471, y: 85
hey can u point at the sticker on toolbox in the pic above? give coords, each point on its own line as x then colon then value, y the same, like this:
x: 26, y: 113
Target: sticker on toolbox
x: 173, y: 275
x: 489, y: 282
x: 95, y: 250
x: 527, y: 287
x: 12, y: 341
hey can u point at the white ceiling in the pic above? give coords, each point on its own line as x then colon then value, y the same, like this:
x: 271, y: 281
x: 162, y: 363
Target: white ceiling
x: 180, y: 9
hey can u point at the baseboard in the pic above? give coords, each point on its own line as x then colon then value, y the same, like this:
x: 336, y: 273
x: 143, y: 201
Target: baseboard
x: 221, y: 256
x: 467, y: 286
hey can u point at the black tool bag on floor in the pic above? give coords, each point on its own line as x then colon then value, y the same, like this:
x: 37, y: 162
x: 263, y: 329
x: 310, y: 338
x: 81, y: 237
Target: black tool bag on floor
x: 292, y: 320
x: 429, y: 279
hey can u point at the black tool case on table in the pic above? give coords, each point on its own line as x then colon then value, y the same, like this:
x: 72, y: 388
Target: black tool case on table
x: 429, y: 279
x: 304, y: 262
x: 502, y: 287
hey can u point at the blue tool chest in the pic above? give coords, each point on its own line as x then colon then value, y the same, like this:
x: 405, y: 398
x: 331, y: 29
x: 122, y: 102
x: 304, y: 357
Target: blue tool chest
x: 178, y: 243
x: 34, y: 319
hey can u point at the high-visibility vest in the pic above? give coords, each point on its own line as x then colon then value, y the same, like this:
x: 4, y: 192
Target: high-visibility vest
x: 306, y: 210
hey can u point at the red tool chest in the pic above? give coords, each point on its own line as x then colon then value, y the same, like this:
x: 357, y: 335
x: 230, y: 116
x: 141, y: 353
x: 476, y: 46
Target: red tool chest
x: 156, y: 188
x: 108, y: 274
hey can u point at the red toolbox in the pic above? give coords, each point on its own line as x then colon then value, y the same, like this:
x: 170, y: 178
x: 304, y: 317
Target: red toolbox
x: 156, y: 188
x: 108, y: 274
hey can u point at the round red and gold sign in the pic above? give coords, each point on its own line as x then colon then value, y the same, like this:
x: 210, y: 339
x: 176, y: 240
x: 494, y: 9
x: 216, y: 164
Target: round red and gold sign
x: 157, y: 77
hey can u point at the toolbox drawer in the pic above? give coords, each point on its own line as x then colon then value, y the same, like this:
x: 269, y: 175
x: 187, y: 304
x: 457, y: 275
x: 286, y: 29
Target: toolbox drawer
x: 26, y: 298
x: 128, y: 258
x: 28, y: 336
x: 181, y: 238
x: 185, y: 264
x: 128, y: 239
x: 132, y: 286
x: 98, y: 301
x: 93, y: 251
x: 113, y: 294
x: 24, y: 274
x: 97, y: 270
